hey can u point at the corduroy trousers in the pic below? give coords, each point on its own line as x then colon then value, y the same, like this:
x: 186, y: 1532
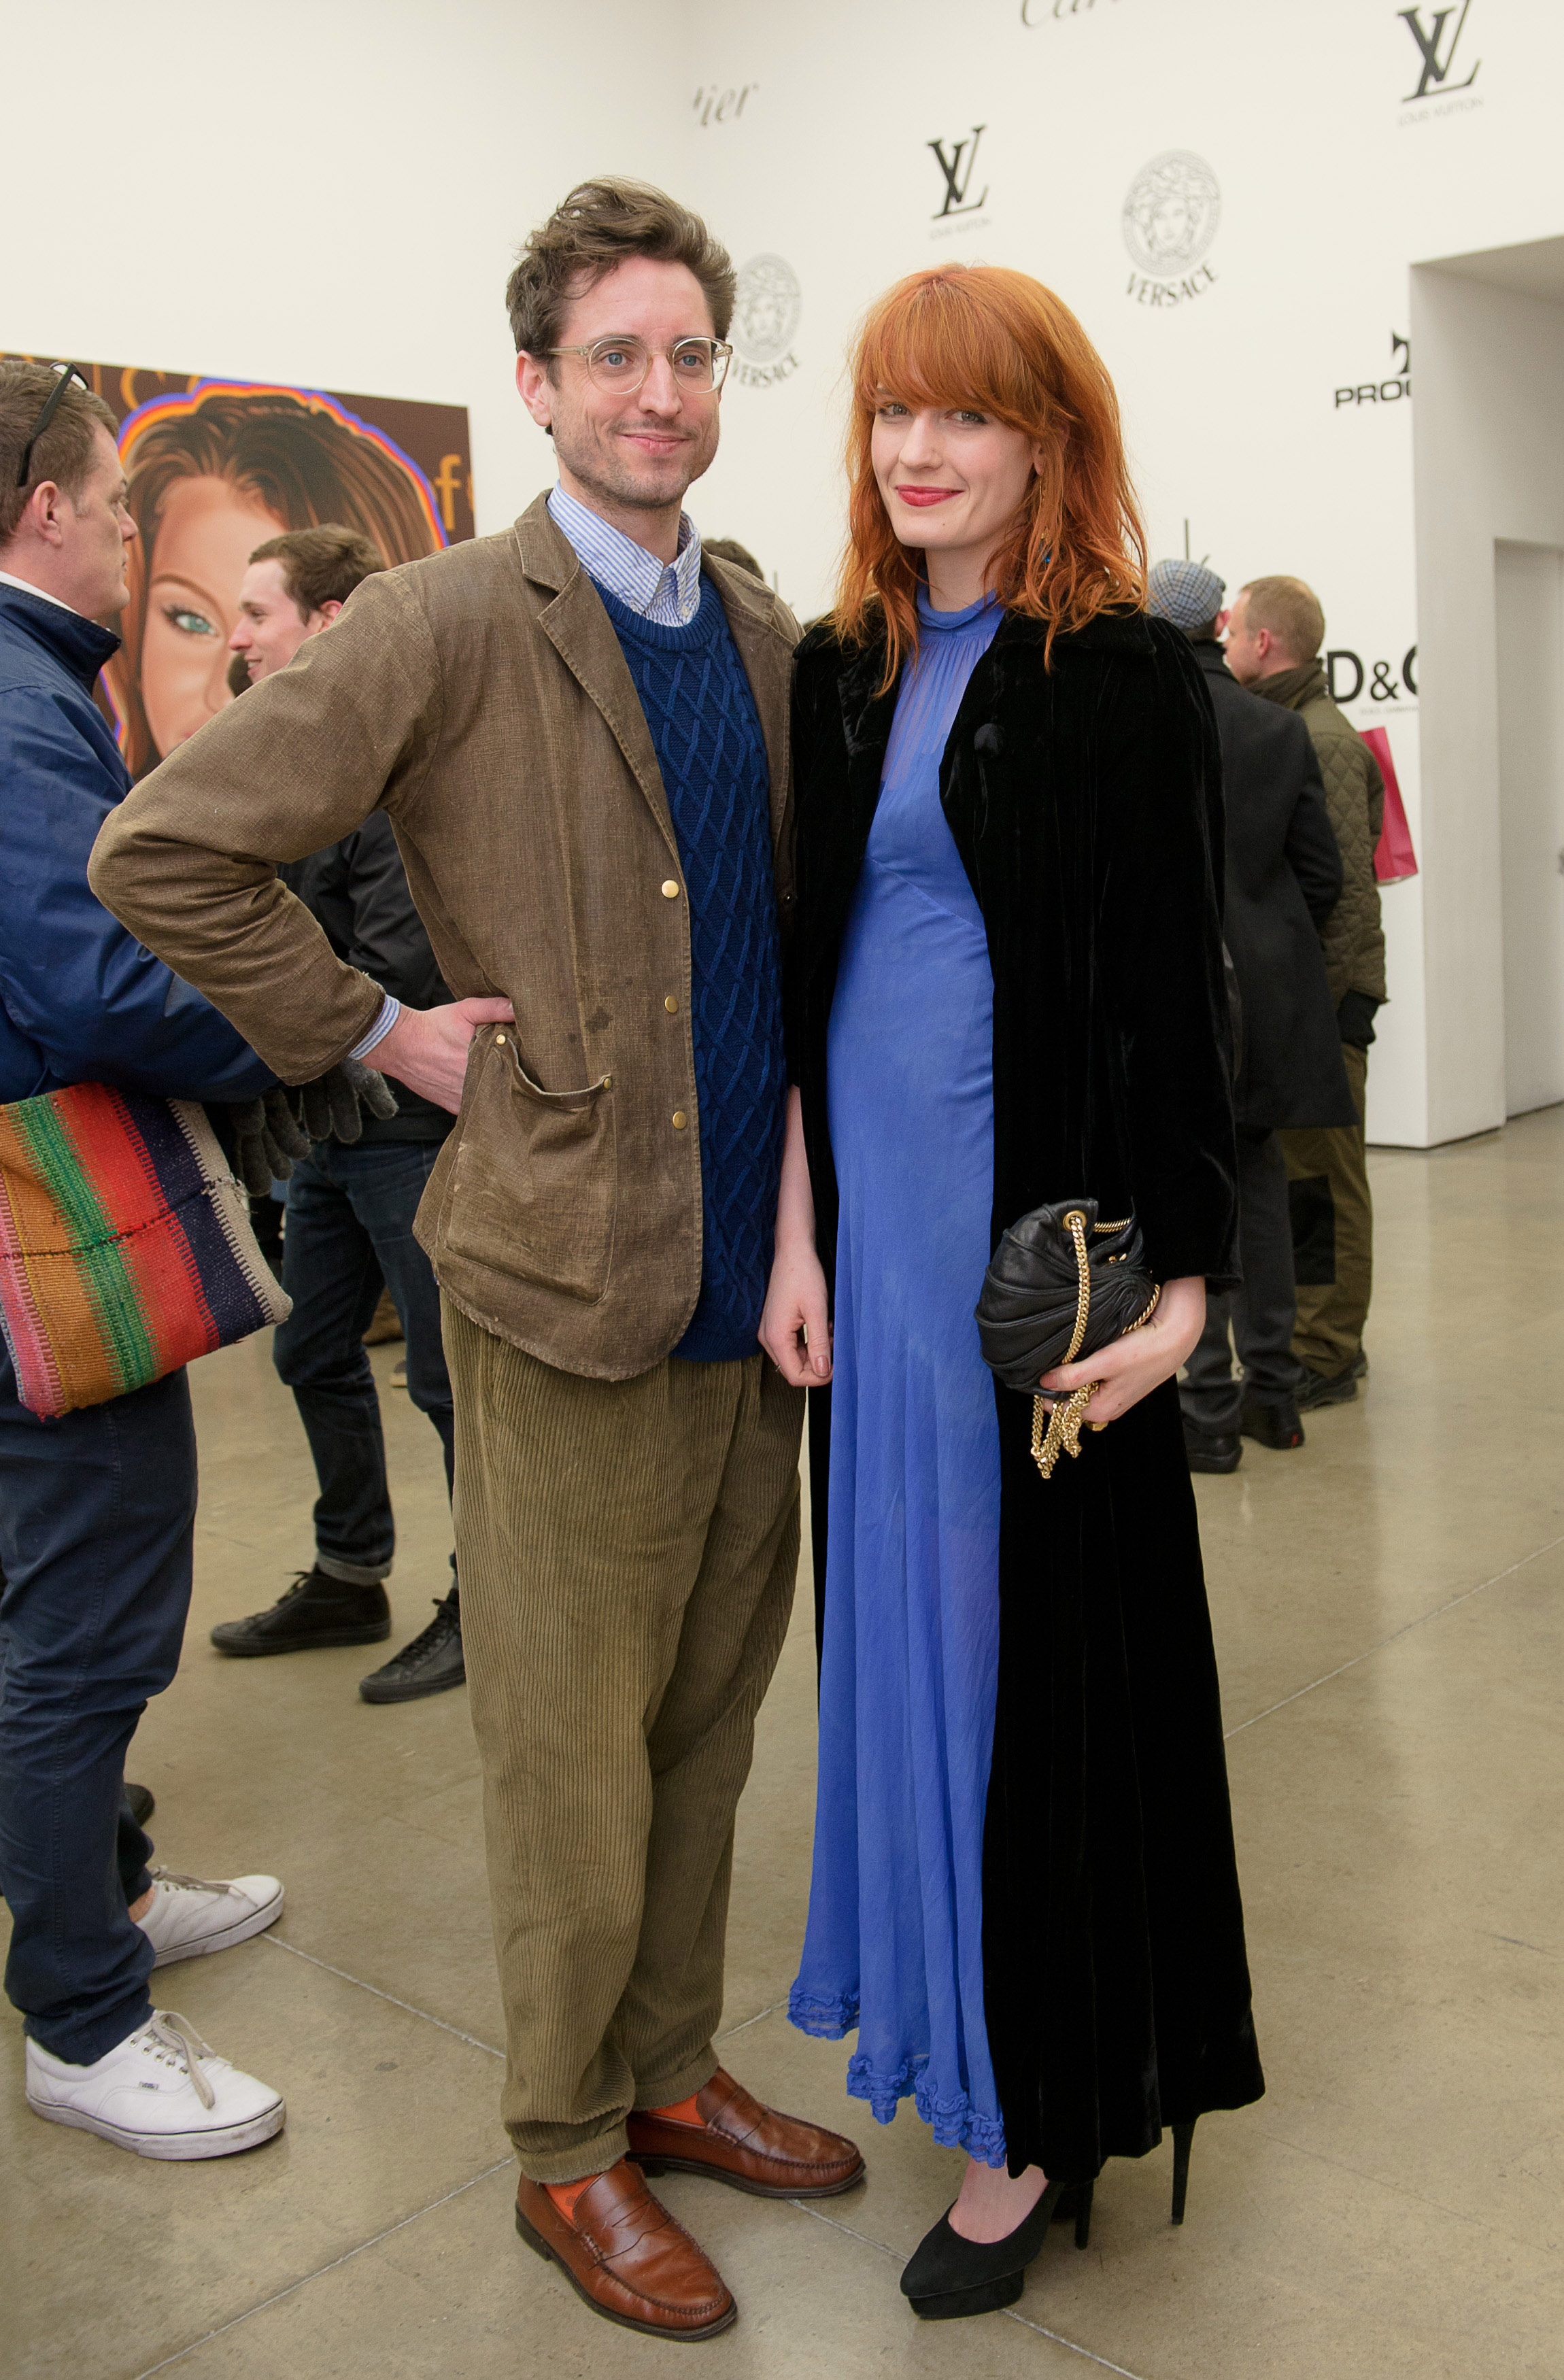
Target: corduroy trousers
x: 627, y: 1551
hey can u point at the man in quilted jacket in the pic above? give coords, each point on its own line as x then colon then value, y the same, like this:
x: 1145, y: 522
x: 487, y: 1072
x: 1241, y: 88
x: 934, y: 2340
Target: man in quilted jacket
x: 97, y: 1507
x: 1275, y: 631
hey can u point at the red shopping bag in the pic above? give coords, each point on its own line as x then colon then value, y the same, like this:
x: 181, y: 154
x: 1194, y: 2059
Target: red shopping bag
x: 1394, y: 858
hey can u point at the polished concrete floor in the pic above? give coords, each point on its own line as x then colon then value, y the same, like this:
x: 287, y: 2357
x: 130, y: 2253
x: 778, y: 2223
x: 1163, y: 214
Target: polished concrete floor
x: 1390, y: 1619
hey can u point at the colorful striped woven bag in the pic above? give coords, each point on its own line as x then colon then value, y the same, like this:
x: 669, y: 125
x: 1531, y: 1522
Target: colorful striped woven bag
x: 125, y: 1245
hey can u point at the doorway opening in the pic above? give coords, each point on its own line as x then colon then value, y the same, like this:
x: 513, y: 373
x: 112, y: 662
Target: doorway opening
x: 1487, y: 338
x: 1529, y: 621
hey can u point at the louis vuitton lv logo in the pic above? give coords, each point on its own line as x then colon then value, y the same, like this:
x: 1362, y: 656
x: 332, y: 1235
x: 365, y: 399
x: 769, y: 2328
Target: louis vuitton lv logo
x: 1435, y: 69
x: 957, y: 170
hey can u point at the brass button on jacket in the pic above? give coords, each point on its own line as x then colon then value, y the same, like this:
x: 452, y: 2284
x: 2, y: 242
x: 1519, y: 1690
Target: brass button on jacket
x: 680, y: 1119
x: 670, y: 889
x: 672, y: 1005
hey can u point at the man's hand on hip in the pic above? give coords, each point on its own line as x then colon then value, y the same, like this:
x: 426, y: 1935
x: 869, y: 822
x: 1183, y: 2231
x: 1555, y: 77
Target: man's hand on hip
x: 426, y: 1047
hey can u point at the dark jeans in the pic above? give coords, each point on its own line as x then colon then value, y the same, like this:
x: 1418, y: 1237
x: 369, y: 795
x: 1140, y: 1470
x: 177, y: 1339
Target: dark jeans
x: 96, y: 1512
x: 1260, y: 1310
x: 349, y: 1229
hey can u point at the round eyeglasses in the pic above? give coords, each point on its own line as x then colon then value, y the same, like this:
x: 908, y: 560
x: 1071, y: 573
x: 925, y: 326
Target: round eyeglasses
x: 698, y: 366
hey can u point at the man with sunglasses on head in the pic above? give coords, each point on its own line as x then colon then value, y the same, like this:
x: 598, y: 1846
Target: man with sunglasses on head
x: 579, y: 730
x: 97, y: 1507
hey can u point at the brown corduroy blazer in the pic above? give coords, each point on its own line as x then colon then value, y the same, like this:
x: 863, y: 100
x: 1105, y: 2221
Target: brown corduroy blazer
x: 481, y: 698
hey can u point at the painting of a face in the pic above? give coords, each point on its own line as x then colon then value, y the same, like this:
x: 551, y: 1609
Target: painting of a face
x: 215, y: 468
x: 206, y: 534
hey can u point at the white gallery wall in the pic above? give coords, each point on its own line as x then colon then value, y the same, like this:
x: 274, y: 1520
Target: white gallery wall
x: 331, y: 194
x: 1263, y: 381
x: 324, y: 192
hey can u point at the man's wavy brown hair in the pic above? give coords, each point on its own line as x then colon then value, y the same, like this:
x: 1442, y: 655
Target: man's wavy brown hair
x: 600, y: 224
x: 984, y: 337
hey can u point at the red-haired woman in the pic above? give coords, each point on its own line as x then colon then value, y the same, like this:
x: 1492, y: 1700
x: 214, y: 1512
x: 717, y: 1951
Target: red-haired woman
x: 1007, y: 990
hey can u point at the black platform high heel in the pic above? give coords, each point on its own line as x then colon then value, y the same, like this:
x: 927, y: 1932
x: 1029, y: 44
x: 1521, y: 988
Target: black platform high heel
x: 1075, y: 2206
x: 948, y: 2276
x: 1183, y: 2136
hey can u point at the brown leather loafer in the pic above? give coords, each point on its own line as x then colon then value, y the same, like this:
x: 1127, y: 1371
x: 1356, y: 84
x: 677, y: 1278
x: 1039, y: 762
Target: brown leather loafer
x: 628, y: 2257
x: 752, y: 2147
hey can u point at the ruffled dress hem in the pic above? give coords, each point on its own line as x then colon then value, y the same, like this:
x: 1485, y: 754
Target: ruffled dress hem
x: 827, y: 2018
x: 954, y: 2122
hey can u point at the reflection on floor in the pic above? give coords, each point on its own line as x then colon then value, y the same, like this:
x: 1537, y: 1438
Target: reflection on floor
x: 1391, y: 1631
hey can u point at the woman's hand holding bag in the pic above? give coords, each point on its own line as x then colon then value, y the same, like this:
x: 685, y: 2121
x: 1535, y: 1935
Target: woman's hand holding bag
x: 1068, y: 1306
x: 1131, y: 1367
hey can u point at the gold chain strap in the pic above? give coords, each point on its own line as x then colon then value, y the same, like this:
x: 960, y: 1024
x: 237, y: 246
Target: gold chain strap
x: 1059, y: 1429
x: 1075, y: 1224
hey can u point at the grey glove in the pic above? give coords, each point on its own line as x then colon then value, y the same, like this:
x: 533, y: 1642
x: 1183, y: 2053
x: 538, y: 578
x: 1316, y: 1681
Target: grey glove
x: 267, y: 1139
x: 332, y: 1107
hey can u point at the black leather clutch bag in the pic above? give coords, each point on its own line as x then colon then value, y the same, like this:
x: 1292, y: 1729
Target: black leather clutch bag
x: 1060, y: 1287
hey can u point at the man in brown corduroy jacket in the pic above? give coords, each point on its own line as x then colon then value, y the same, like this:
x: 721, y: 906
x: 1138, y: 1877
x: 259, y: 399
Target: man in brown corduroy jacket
x: 581, y: 738
x: 1275, y: 631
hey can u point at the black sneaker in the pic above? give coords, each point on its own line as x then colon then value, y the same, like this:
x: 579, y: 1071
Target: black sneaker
x: 1318, y: 1390
x: 1212, y: 1449
x: 431, y: 1663
x: 138, y: 1799
x: 1273, y: 1422
x: 316, y: 1611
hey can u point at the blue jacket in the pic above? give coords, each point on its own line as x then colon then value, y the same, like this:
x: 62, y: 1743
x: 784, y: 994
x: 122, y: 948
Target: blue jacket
x: 81, y: 999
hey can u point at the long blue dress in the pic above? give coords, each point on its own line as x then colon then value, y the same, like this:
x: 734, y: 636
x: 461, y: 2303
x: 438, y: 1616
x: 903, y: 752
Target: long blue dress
x: 894, y: 1942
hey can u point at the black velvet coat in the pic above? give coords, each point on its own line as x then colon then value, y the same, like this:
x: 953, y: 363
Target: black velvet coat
x: 1085, y: 800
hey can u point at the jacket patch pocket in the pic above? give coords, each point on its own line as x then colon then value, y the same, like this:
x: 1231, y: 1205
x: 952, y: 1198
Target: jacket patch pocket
x: 533, y: 1188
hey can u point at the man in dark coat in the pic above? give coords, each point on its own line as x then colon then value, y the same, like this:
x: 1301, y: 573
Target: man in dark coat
x: 1274, y: 636
x: 1283, y: 879
x: 97, y: 1507
x: 350, y: 1210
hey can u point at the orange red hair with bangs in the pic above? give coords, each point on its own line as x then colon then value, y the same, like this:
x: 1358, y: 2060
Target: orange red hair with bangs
x: 985, y: 336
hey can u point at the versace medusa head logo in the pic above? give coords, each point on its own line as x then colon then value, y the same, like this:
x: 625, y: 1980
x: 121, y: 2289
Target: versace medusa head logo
x: 767, y: 303
x: 1171, y: 213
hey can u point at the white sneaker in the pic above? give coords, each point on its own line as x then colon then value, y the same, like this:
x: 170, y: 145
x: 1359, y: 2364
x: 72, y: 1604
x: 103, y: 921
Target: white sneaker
x: 161, y: 2093
x: 188, y: 1917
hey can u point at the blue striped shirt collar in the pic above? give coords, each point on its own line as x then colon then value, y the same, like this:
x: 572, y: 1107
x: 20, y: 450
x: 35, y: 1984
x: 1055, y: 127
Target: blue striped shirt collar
x: 668, y: 593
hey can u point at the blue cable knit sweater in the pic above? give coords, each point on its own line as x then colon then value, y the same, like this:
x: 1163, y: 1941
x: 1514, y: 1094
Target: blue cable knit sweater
x: 709, y: 748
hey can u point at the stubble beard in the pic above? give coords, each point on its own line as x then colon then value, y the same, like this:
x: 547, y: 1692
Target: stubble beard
x: 656, y: 488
